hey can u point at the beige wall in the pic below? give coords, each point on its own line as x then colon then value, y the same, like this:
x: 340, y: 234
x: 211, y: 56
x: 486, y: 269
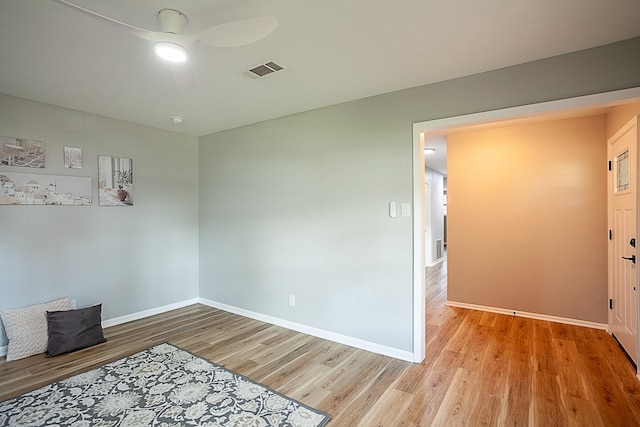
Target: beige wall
x: 619, y: 116
x: 528, y: 218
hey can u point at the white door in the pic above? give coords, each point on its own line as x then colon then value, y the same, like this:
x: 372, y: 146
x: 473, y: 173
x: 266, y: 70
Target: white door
x: 623, y: 253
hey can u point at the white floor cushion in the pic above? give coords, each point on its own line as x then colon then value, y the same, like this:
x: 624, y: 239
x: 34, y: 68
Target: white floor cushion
x: 26, y: 327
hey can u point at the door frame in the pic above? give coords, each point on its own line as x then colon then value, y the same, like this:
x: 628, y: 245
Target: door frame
x: 442, y: 126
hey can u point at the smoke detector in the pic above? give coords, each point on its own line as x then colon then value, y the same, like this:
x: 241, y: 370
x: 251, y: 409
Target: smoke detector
x: 262, y: 70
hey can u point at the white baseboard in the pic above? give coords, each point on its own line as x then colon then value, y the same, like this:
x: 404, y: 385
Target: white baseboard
x: 537, y: 316
x: 332, y: 336
x: 146, y: 313
x: 320, y: 333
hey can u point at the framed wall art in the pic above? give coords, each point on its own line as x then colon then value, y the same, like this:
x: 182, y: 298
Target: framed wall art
x: 21, y: 152
x: 73, y: 157
x: 38, y: 189
x: 115, y: 181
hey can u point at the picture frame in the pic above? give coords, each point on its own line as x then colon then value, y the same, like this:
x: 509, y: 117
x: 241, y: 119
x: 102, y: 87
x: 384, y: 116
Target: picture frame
x: 73, y: 157
x: 22, y: 152
x: 18, y: 188
x: 115, y: 181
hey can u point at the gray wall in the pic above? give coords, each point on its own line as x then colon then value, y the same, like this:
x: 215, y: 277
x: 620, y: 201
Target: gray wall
x: 298, y: 205
x: 129, y: 259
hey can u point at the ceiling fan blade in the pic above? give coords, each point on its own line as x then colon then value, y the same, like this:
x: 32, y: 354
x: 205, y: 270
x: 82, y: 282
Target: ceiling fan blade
x: 184, y: 76
x: 153, y: 36
x: 239, y: 33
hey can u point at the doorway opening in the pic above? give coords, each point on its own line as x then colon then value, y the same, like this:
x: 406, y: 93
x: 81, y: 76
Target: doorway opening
x: 441, y: 127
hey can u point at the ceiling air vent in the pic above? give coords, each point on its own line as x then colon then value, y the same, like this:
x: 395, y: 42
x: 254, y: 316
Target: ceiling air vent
x: 262, y: 70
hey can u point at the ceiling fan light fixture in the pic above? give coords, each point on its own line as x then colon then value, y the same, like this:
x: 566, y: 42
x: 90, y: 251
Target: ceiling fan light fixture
x: 171, y: 52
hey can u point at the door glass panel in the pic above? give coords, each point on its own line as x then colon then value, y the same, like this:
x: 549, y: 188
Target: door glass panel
x: 622, y: 171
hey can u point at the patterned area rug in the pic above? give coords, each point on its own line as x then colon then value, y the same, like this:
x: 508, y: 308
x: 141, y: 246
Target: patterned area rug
x: 160, y: 386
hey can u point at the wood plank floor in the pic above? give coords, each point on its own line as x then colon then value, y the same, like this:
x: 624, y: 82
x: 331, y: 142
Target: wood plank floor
x: 481, y: 368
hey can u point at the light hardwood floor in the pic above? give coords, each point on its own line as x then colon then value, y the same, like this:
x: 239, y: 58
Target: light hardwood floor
x: 481, y: 368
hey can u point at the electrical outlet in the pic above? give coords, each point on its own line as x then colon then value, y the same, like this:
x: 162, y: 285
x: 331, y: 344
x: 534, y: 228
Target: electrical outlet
x: 292, y: 300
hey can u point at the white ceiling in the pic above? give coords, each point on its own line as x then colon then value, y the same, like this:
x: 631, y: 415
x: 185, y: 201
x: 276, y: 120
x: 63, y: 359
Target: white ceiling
x: 332, y: 50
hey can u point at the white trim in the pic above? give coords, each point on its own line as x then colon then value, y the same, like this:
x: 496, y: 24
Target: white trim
x: 599, y: 100
x: 320, y: 333
x: 528, y: 315
x: 441, y: 125
x: 419, y: 224
x: 147, y: 313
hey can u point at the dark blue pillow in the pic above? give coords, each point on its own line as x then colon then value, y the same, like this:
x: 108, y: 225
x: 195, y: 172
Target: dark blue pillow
x: 73, y: 330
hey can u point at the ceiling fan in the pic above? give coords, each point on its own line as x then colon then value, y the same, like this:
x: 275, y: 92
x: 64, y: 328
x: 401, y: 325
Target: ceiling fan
x: 171, y: 43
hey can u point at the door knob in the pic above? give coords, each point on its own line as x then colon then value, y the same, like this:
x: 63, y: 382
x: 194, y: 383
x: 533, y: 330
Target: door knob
x: 632, y: 258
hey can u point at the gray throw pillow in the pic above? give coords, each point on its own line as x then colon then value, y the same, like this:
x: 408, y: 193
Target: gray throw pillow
x: 73, y: 330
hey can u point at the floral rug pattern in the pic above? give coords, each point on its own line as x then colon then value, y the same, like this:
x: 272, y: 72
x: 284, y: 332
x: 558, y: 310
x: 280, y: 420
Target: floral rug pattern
x: 160, y: 386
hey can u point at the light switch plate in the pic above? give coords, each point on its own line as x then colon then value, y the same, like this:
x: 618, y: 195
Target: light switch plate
x: 406, y: 210
x: 393, y: 210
